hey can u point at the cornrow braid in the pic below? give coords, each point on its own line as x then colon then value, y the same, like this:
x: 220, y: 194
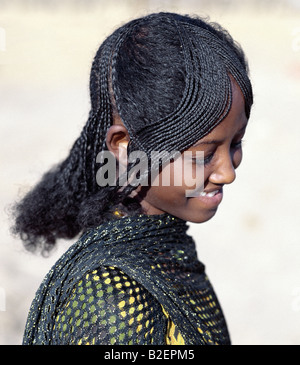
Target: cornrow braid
x: 168, y: 77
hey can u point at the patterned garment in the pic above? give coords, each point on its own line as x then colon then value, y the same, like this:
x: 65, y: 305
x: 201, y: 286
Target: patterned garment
x: 133, y: 280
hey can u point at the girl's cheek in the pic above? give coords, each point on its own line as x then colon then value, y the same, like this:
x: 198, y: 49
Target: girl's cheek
x: 187, y: 174
x: 206, y: 174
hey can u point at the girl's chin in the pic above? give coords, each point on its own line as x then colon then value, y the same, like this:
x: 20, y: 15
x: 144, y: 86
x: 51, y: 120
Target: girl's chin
x: 191, y: 210
x: 194, y: 215
x: 203, y: 218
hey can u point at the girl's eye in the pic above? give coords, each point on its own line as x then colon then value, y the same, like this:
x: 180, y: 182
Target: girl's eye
x: 205, y: 161
x: 237, y: 145
x: 208, y: 159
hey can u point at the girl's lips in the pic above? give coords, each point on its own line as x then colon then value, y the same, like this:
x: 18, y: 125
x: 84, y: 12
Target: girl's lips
x: 211, y: 199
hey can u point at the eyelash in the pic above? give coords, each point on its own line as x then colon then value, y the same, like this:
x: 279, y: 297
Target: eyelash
x: 207, y: 160
x: 238, y: 144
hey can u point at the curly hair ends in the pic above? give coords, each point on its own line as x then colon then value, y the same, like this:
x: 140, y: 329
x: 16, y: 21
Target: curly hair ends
x: 154, y: 73
x: 37, y: 223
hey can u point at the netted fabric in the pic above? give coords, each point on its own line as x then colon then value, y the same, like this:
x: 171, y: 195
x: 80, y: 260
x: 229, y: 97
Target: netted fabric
x: 107, y: 307
x: 135, y: 280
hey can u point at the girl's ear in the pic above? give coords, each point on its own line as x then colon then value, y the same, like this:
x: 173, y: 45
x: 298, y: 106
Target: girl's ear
x: 117, y: 139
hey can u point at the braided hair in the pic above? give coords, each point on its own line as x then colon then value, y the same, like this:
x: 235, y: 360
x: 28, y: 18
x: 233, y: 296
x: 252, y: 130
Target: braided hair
x: 168, y: 78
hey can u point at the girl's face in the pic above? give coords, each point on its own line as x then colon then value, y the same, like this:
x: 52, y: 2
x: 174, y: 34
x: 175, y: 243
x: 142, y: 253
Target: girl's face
x: 222, y: 149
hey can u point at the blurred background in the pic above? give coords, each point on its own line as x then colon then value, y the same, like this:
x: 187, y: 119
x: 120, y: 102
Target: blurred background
x: 251, y: 247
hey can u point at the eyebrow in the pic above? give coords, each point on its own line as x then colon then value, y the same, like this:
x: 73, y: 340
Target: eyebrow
x: 215, y: 141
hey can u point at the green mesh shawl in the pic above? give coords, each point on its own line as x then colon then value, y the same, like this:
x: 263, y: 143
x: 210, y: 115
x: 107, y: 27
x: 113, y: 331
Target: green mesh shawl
x: 120, y: 282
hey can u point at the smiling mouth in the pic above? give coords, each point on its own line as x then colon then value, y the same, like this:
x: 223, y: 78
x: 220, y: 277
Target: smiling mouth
x: 210, y: 194
x: 211, y: 199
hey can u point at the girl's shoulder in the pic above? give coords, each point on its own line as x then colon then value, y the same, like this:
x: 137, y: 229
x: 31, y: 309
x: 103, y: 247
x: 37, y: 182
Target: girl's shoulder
x: 106, y: 306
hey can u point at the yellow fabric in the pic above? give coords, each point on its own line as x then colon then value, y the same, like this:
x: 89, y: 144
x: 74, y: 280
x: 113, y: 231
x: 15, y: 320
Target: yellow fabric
x: 173, y: 336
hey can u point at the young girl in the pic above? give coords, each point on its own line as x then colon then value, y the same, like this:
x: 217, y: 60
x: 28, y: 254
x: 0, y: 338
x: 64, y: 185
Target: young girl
x: 163, y: 83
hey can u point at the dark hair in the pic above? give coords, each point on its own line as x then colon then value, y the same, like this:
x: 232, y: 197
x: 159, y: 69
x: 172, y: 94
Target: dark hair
x: 160, y: 73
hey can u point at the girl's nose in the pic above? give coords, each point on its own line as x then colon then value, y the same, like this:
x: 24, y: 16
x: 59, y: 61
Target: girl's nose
x: 224, y: 172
